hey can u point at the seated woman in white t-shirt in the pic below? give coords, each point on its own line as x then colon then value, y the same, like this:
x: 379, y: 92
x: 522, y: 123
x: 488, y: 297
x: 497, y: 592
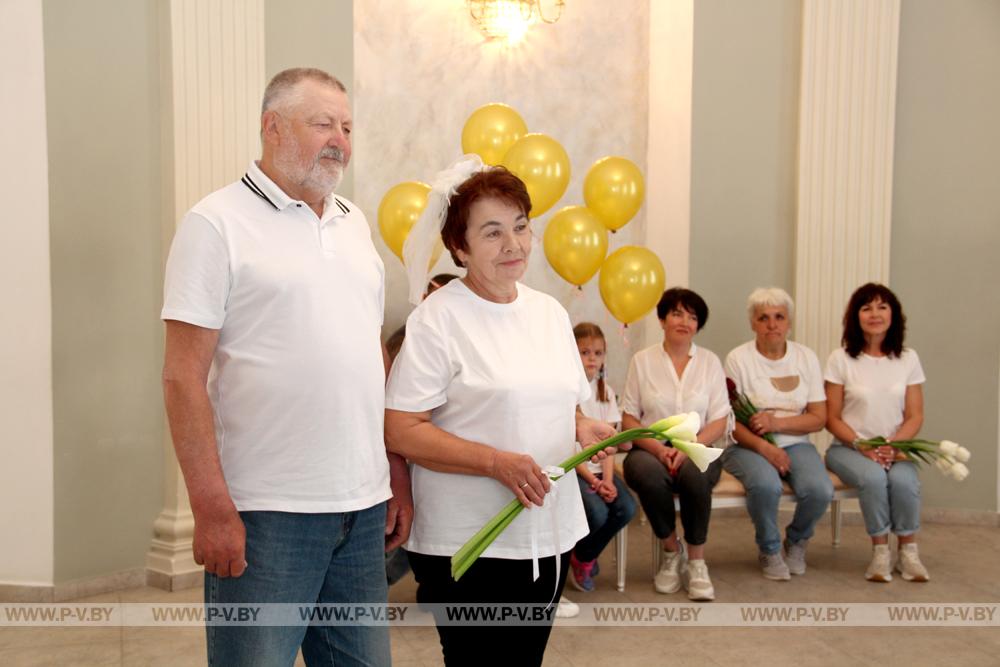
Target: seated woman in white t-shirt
x: 873, y: 388
x: 784, y: 381
x: 484, y: 393
x: 665, y: 379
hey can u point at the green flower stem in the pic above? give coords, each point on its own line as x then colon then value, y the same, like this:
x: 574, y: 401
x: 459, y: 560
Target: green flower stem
x: 478, y: 543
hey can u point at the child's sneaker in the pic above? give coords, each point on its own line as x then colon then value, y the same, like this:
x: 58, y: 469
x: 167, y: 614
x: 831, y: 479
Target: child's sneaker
x: 567, y: 608
x: 582, y: 574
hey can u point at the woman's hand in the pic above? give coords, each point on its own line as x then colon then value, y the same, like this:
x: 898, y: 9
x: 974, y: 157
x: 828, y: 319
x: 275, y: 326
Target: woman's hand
x: 778, y: 457
x: 763, y: 422
x: 592, y: 431
x: 672, y: 459
x: 520, y: 474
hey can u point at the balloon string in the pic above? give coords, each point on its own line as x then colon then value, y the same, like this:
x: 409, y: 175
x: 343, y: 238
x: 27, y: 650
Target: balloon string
x: 578, y: 292
x: 623, y: 334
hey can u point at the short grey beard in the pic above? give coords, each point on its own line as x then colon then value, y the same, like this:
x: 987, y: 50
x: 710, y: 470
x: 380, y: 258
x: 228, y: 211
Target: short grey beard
x: 313, y: 178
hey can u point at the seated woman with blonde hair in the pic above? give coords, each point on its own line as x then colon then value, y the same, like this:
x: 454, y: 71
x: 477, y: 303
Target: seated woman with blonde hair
x: 783, y: 380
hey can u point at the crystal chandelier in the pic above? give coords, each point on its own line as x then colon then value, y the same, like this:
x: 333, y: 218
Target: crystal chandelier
x: 510, y: 19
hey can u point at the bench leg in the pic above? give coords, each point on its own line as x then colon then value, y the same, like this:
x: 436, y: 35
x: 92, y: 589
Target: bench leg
x: 621, y: 554
x: 835, y: 521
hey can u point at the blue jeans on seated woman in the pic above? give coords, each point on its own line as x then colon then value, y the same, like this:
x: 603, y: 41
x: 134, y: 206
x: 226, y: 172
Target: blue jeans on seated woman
x: 890, y: 500
x: 604, y: 519
x: 808, y: 479
x: 304, y: 559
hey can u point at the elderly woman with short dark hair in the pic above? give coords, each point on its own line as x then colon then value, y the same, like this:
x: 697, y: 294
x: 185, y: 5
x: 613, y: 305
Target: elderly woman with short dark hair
x: 483, y: 394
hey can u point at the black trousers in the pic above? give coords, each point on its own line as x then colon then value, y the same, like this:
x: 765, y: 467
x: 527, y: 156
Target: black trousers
x: 491, y: 581
x: 656, y: 488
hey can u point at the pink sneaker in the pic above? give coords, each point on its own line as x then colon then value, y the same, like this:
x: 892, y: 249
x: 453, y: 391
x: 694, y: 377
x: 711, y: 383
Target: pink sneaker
x: 582, y: 574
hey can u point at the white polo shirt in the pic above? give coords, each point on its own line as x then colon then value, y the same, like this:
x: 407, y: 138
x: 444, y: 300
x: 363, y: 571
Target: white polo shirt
x: 297, y: 379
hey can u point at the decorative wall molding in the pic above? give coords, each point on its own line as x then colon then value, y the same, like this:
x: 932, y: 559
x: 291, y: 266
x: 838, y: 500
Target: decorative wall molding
x: 668, y: 147
x: 846, y: 127
x: 215, y: 82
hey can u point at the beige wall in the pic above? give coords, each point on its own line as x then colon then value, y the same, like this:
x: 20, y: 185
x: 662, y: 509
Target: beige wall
x: 743, y: 146
x: 421, y: 68
x: 102, y: 86
x: 312, y: 33
x: 26, y: 361
x: 946, y: 227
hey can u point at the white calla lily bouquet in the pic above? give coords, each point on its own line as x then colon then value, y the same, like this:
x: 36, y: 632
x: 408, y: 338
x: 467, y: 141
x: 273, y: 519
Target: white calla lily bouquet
x: 679, y: 430
x: 947, y: 456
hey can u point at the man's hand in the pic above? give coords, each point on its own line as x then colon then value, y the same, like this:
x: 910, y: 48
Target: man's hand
x: 399, y: 509
x: 220, y: 542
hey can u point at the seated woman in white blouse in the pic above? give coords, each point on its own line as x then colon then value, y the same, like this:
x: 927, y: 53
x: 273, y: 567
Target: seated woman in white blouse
x: 873, y: 388
x: 484, y: 393
x: 665, y: 379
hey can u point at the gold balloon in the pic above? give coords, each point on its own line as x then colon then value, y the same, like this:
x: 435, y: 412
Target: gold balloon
x: 543, y: 165
x: 575, y: 244
x: 613, y: 190
x: 631, y: 282
x: 400, y: 209
x: 491, y: 130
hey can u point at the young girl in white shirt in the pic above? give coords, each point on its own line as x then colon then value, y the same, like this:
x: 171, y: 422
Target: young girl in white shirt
x: 606, y: 499
x: 873, y: 388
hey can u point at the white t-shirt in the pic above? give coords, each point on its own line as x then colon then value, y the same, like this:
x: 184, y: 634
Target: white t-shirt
x: 507, y: 375
x: 653, y: 391
x: 296, y: 381
x: 606, y: 411
x: 783, y: 385
x: 874, y: 389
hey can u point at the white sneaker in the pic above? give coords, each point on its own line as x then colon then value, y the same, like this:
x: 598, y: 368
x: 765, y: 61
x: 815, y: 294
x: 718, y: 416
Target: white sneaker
x: 880, y: 569
x: 694, y: 576
x: 668, y: 579
x: 773, y: 566
x: 567, y: 608
x: 795, y: 556
x: 909, y: 564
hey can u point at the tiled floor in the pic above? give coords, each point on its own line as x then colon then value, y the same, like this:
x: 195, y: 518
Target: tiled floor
x: 963, y: 562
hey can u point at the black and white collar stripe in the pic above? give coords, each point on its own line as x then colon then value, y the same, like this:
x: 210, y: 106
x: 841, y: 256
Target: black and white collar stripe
x: 341, y: 205
x: 254, y: 188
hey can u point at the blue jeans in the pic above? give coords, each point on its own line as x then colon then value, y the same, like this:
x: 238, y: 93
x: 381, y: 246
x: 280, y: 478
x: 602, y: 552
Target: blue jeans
x: 604, y: 519
x: 305, y: 559
x: 889, y: 499
x: 808, y: 479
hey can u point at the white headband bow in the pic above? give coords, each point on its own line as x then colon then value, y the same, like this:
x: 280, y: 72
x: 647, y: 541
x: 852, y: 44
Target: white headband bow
x: 420, y: 242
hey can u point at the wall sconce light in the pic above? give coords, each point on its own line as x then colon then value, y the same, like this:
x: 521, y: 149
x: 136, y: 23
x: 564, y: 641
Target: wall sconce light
x: 510, y: 19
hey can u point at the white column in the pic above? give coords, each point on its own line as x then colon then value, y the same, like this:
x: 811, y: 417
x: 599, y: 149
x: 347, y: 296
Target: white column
x: 668, y: 156
x: 846, y: 124
x: 214, y: 79
x: 26, y: 482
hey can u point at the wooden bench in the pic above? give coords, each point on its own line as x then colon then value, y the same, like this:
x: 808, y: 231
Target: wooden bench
x: 727, y: 493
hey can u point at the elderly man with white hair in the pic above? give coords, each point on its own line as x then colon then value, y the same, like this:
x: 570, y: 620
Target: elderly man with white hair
x: 274, y: 388
x: 784, y: 381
